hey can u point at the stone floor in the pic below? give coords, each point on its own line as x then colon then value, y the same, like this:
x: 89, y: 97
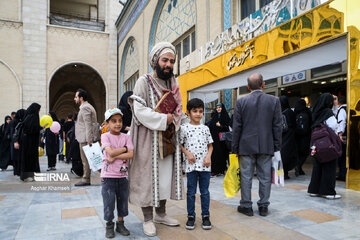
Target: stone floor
x: 79, y: 214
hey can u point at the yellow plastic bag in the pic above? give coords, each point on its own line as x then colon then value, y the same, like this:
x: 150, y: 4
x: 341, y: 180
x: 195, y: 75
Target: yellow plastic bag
x: 64, y: 148
x: 232, y: 177
x: 41, y: 151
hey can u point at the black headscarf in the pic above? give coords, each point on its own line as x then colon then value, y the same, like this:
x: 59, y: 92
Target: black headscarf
x: 31, y: 123
x: 53, y: 116
x: 5, y: 127
x: 126, y: 110
x: 19, y: 116
x: 223, y: 117
x: 322, y: 109
x: 300, y: 106
x: 284, y: 103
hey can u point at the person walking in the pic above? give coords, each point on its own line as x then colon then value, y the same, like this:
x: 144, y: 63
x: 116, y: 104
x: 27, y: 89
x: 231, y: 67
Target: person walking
x: 155, y: 170
x: 5, y: 140
x: 15, y: 153
x: 51, y: 144
x: 257, y: 132
x: 302, y: 134
x: 86, y: 131
x: 126, y: 110
x: 67, y: 126
x: 288, y: 142
x: 341, y: 117
x: 323, y: 177
x: 220, y: 122
x: 29, y: 143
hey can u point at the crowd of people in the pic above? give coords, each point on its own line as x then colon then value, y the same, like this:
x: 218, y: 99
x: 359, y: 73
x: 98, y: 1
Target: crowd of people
x: 145, y: 152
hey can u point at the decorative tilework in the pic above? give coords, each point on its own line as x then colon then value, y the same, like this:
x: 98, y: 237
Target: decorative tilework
x: 176, y: 17
x: 228, y: 98
x: 131, y: 60
x: 227, y: 14
x: 123, y: 60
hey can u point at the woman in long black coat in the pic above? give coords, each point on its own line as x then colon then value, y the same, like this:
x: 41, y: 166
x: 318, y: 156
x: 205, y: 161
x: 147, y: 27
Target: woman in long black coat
x: 51, y: 144
x: 15, y: 153
x: 220, y: 122
x: 288, y: 143
x: 5, y: 140
x: 302, y: 133
x: 126, y: 110
x: 29, y: 143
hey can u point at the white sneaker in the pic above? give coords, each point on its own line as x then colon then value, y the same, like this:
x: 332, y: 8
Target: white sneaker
x: 166, y: 220
x: 29, y: 179
x: 149, y: 228
x: 314, y: 195
x: 336, y: 196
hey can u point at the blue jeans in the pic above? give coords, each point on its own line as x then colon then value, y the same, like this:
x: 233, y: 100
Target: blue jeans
x: 204, y: 180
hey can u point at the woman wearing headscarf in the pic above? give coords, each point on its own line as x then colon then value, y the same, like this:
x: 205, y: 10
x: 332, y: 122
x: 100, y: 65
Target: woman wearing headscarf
x: 220, y: 122
x: 302, y: 133
x: 126, y: 110
x: 288, y: 143
x: 5, y: 140
x: 51, y: 144
x: 323, y: 177
x: 29, y: 140
x: 15, y: 153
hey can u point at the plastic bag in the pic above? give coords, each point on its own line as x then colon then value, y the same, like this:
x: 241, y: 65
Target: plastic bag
x: 277, y: 170
x: 94, y: 156
x: 232, y: 177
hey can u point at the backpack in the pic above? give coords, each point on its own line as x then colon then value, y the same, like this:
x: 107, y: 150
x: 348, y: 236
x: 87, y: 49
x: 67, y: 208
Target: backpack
x: 284, y: 124
x: 302, y: 123
x: 337, y: 116
x: 326, y: 143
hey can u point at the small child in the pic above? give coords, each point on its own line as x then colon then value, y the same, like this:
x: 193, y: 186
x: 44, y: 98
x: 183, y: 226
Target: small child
x: 196, y: 143
x: 118, y: 148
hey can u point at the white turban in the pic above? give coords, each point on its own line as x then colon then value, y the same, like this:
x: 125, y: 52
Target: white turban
x: 160, y: 49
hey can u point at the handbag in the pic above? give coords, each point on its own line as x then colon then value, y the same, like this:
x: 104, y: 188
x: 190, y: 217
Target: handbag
x: 232, y: 177
x: 94, y: 156
x: 277, y: 170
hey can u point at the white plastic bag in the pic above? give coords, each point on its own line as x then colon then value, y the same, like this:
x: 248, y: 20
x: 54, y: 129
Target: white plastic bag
x: 277, y: 170
x: 94, y: 156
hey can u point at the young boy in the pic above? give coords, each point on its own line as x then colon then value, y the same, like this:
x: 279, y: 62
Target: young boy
x: 196, y: 144
x: 118, y: 148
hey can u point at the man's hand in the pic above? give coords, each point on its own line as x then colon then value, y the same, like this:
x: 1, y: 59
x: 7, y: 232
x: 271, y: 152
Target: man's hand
x: 218, y: 124
x: 341, y: 137
x: 207, y: 161
x: 170, y: 119
x: 16, y: 145
x: 191, y: 158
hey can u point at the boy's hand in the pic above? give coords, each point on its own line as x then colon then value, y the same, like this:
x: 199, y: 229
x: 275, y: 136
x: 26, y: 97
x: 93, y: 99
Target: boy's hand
x: 191, y: 158
x: 207, y: 161
x: 110, y: 159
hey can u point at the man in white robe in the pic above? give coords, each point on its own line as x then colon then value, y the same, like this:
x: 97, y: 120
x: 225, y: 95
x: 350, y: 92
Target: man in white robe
x: 155, y: 170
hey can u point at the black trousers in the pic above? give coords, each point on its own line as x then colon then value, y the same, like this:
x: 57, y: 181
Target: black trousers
x: 342, y: 163
x: 51, y: 160
x: 323, y: 178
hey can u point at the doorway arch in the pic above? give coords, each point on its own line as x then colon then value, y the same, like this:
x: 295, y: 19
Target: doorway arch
x: 64, y: 83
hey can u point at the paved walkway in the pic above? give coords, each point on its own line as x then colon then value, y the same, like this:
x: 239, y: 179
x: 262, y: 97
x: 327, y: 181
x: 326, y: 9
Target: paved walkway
x: 79, y: 214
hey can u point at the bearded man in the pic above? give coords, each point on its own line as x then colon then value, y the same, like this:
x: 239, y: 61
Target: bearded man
x: 155, y: 170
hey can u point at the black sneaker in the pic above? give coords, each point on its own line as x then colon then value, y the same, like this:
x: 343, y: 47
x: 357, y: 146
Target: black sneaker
x: 110, y: 230
x: 247, y: 211
x: 120, y: 228
x: 206, y: 224
x: 190, y: 224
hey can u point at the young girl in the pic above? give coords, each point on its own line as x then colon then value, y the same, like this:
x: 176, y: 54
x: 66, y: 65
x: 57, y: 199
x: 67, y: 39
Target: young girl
x: 118, y: 148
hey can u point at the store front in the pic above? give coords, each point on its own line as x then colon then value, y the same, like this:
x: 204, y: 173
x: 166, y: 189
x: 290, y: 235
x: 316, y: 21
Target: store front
x: 313, y: 53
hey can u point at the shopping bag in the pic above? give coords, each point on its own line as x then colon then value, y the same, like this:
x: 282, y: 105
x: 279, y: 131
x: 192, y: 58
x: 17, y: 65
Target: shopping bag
x: 94, y: 156
x: 277, y: 170
x: 64, y: 149
x: 232, y: 177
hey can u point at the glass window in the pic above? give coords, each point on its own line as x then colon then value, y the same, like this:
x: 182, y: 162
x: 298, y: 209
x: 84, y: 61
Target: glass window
x: 271, y: 83
x: 193, y: 46
x: 264, y: 2
x: 178, y: 50
x: 325, y: 70
x: 186, y: 46
x: 247, y: 8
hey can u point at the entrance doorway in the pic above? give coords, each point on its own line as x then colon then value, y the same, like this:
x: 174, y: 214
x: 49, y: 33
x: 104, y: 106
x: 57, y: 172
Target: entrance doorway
x: 64, y: 83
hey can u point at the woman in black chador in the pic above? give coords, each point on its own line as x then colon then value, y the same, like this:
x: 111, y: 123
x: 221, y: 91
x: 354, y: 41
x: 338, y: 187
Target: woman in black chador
x: 51, y: 144
x: 29, y: 143
x: 302, y: 133
x: 5, y: 140
x: 15, y: 153
x: 126, y: 110
x: 220, y: 122
x: 288, y: 143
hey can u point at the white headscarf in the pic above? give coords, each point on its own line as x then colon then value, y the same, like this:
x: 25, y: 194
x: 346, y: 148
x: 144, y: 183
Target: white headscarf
x: 160, y: 49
